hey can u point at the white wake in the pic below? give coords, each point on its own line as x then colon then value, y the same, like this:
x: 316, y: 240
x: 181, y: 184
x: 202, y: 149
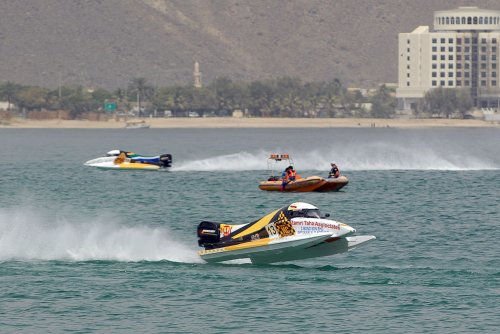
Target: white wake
x: 29, y: 235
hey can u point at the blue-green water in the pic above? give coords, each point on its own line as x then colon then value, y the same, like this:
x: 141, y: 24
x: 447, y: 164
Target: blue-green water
x: 84, y: 250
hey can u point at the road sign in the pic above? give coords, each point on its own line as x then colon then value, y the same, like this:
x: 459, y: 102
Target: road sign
x: 110, y: 105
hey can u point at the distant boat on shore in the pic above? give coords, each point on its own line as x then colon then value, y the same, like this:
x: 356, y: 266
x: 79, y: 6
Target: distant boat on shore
x: 137, y: 125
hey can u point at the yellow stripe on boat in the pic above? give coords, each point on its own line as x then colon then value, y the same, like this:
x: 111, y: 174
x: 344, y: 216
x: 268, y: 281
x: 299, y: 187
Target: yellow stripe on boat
x: 257, y: 226
x: 250, y: 244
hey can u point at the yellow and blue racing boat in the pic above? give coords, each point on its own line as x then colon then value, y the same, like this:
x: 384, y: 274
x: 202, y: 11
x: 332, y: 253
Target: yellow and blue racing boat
x: 125, y: 160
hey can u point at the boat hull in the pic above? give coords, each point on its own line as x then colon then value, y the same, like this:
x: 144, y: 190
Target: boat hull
x: 333, y: 184
x: 300, y: 185
x: 285, y: 250
x: 261, y: 248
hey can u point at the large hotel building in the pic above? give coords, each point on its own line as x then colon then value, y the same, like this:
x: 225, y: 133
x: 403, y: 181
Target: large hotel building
x: 463, y: 51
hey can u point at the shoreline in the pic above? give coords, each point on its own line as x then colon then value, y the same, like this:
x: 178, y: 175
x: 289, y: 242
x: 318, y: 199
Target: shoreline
x: 230, y: 122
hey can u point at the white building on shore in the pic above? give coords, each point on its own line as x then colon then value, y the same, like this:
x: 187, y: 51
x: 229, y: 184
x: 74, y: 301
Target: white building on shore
x: 463, y: 51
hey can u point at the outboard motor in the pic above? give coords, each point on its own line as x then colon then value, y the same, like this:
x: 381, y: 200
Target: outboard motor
x: 166, y: 160
x: 208, y: 234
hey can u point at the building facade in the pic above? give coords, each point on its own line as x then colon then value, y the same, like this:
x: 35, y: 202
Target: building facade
x: 463, y: 51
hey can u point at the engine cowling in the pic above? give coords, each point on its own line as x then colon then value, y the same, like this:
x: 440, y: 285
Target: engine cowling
x: 166, y: 160
x: 208, y: 234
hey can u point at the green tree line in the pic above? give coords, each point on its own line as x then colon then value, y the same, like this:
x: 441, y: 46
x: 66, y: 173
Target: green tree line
x: 281, y: 97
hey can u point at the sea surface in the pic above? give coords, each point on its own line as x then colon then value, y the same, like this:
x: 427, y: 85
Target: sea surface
x: 84, y: 250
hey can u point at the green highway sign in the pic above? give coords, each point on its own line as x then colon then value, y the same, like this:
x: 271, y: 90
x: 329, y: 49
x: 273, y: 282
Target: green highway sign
x: 110, y: 105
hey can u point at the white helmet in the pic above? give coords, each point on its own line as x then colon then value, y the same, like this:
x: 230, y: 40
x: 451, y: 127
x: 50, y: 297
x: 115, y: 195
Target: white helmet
x: 113, y: 153
x: 301, y: 206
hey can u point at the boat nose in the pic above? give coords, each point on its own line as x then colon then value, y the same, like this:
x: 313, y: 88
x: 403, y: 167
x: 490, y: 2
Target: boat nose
x: 347, y: 230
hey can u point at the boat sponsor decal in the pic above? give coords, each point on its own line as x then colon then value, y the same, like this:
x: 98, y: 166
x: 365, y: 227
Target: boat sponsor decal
x: 226, y: 230
x: 212, y: 251
x: 284, y: 226
x: 255, y: 236
x: 281, y: 227
x: 319, y: 224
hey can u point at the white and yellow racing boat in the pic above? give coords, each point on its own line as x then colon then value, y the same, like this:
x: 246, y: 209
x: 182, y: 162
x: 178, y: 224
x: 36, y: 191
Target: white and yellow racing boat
x: 125, y: 160
x: 294, y: 232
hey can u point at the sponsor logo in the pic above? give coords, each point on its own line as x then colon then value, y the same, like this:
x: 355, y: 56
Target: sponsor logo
x: 226, y: 230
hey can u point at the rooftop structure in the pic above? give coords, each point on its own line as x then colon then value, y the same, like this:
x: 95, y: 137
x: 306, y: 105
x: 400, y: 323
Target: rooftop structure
x: 461, y: 52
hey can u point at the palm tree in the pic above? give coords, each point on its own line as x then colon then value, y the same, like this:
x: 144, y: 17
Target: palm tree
x: 9, y: 90
x: 142, y: 90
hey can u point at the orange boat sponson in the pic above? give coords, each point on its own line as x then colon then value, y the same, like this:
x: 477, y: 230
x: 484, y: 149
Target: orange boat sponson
x: 333, y: 184
x: 309, y: 183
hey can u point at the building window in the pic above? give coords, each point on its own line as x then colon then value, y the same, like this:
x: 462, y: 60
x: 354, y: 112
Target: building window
x: 467, y: 65
x: 450, y: 83
x: 483, y: 40
x: 450, y: 57
x: 450, y: 49
x: 466, y: 83
x: 434, y: 66
x: 467, y: 74
x: 467, y: 40
x: 459, y: 66
x: 494, y: 41
x: 469, y: 20
x: 443, y: 66
x: 434, y: 40
x: 407, y: 75
x: 459, y: 74
x: 408, y: 50
x: 493, y: 74
x: 493, y: 82
x: 493, y: 49
x: 441, y: 83
x: 459, y: 57
x: 483, y: 57
x: 483, y: 83
x: 434, y: 49
x: 443, y: 57
x: 483, y: 74
x: 450, y: 74
x: 474, y: 40
x: 483, y: 49
x: 483, y: 66
x: 493, y: 57
x: 408, y: 58
x: 434, y: 57
x: 474, y: 20
x: 434, y: 74
x: 443, y: 40
x: 494, y: 66
x: 480, y: 20
x: 463, y: 20
x: 467, y: 49
x: 434, y: 82
x: 443, y: 49
x: 450, y: 65
x: 442, y: 74
x: 459, y: 83
x: 467, y: 57
x: 452, y: 20
x: 459, y: 40
x: 459, y: 49
x: 408, y: 67
x: 450, y: 40
x: 408, y: 41
x: 408, y: 83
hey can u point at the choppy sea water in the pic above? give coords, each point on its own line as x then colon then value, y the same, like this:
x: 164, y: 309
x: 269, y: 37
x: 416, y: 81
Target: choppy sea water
x: 84, y: 250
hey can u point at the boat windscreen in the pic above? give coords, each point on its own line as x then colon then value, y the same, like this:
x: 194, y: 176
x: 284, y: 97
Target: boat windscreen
x: 307, y: 213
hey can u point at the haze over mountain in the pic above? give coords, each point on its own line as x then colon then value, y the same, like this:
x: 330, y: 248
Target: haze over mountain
x: 106, y: 43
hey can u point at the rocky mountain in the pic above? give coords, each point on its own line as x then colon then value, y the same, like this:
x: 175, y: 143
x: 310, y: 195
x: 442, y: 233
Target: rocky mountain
x: 106, y: 43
